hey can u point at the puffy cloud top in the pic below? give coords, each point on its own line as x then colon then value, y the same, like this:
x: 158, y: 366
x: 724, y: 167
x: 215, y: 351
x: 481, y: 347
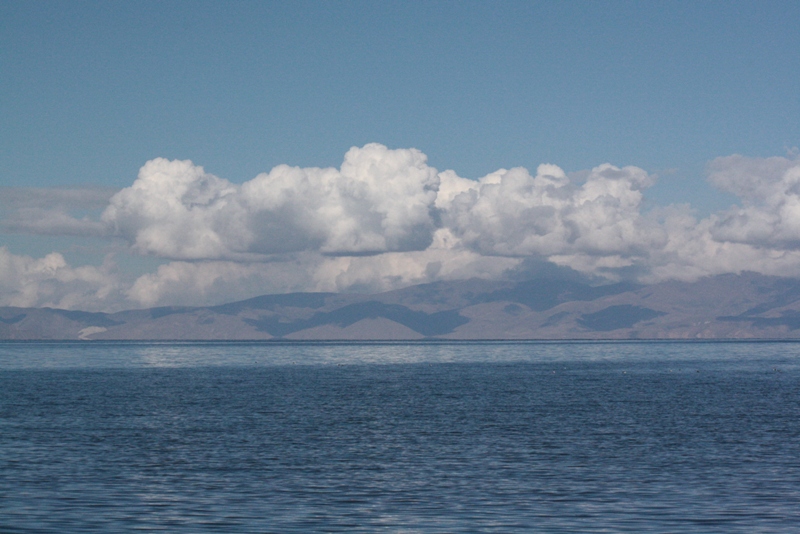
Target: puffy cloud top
x: 386, y: 219
x: 380, y: 200
x: 514, y: 213
x: 770, y: 193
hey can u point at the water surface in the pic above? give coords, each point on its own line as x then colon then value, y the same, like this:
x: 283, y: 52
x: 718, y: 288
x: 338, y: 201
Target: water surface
x: 486, y: 437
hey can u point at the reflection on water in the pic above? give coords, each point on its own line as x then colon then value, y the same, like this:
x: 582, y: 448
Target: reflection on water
x: 95, y: 354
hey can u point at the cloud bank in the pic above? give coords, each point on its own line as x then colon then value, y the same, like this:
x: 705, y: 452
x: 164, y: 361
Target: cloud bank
x: 386, y: 219
x: 380, y: 201
x: 51, y: 282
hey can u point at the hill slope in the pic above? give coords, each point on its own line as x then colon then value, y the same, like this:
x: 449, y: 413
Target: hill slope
x: 726, y: 306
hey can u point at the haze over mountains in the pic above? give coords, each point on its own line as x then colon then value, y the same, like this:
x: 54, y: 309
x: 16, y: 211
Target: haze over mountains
x: 722, y: 307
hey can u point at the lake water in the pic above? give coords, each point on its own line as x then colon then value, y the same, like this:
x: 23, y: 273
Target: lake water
x: 416, y: 437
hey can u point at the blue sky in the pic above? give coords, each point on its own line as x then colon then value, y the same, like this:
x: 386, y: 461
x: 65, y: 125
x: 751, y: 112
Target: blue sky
x: 91, y: 91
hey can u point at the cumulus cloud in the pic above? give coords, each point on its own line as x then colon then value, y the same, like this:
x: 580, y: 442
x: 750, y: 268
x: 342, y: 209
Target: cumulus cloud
x: 445, y: 259
x: 386, y: 219
x: 694, y: 250
x: 51, y: 282
x: 598, y: 226
x: 515, y: 214
x: 213, y: 282
x: 380, y: 201
x: 194, y: 283
x: 770, y: 191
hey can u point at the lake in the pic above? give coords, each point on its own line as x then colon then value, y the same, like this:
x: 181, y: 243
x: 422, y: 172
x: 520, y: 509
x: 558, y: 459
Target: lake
x: 400, y: 437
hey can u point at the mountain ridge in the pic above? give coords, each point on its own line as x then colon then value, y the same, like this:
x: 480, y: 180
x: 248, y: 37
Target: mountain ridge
x: 744, y: 306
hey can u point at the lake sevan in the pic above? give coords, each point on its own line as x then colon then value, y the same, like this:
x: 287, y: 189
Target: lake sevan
x: 400, y: 437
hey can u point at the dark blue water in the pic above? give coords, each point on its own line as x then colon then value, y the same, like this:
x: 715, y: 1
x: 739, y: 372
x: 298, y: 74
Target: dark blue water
x: 587, y: 437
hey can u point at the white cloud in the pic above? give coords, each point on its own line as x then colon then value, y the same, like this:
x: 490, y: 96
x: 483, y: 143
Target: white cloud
x: 84, y: 198
x: 386, y: 219
x: 39, y: 221
x: 600, y: 227
x: 215, y: 282
x: 195, y: 283
x: 53, y: 211
x: 380, y: 200
x: 512, y: 213
x: 50, y: 281
x: 445, y: 259
x: 770, y: 191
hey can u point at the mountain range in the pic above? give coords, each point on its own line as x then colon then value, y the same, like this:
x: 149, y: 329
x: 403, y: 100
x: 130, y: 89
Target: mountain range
x: 744, y: 306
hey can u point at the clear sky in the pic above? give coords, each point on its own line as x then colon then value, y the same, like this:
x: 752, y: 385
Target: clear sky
x: 666, y: 92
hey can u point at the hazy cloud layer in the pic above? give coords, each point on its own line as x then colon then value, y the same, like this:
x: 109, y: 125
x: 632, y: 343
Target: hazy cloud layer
x: 86, y: 198
x: 56, y: 211
x: 50, y: 281
x: 386, y: 219
x: 191, y: 283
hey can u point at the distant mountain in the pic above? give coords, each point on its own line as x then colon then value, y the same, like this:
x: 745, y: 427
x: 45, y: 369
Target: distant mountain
x: 721, y: 307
